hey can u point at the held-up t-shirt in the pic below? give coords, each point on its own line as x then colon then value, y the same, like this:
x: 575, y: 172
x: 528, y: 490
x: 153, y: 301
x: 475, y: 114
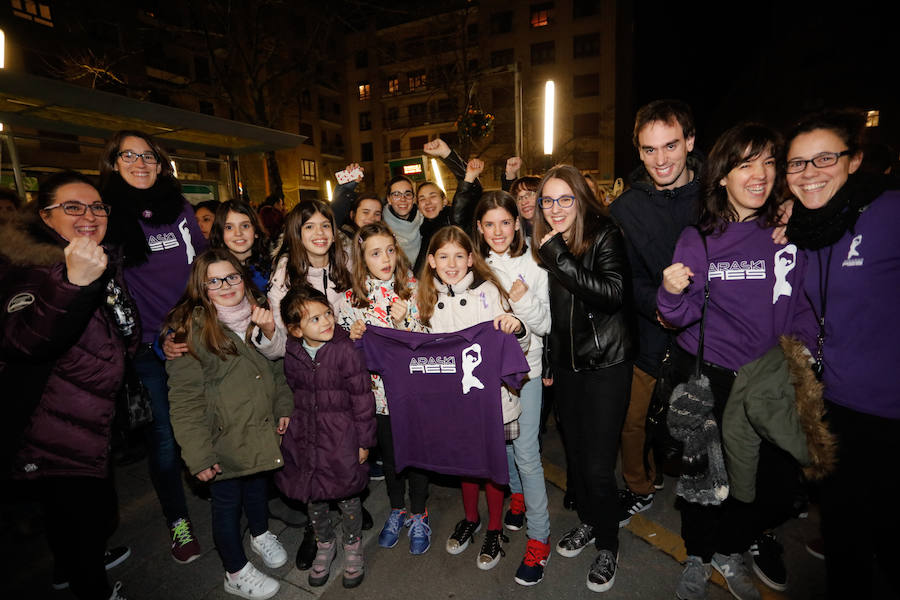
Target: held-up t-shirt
x: 444, y: 393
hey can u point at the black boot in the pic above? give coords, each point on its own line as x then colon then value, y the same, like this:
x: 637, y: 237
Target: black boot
x: 367, y: 521
x: 306, y: 553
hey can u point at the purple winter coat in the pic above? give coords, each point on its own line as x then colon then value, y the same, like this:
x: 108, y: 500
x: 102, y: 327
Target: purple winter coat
x: 62, y: 359
x: 334, y: 416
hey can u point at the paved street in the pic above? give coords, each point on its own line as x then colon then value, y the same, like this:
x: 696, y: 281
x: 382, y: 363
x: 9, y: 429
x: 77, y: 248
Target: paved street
x: 649, y: 553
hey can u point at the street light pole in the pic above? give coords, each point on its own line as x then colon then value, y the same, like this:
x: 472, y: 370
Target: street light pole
x: 549, y: 106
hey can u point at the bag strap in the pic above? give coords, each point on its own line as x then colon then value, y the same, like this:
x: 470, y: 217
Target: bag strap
x: 703, y: 311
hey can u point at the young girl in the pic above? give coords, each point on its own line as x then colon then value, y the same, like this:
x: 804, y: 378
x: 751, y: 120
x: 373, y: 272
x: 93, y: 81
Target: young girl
x: 382, y: 295
x: 458, y: 290
x: 755, y: 295
x: 237, y: 228
x: 502, y: 243
x: 591, y: 350
x: 309, y: 257
x: 229, y: 406
x: 332, y: 427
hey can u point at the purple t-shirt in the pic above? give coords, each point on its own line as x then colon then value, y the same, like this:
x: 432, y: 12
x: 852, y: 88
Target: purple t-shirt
x: 157, y: 285
x: 861, y: 324
x: 444, y: 393
x: 755, y: 294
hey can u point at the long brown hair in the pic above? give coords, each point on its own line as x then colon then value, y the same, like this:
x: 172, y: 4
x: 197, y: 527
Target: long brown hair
x: 505, y: 201
x: 180, y: 319
x: 361, y: 271
x: 427, y: 294
x: 590, y: 213
x: 298, y: 262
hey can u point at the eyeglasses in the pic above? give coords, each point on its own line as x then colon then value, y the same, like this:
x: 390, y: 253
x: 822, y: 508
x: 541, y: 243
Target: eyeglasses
x: 821, y: 161
x: 563, y: 201
x: 525, y: 195
x: 398, y: 195
x: 129, y: 157
x: 76, y: 209
x: 216, y: 282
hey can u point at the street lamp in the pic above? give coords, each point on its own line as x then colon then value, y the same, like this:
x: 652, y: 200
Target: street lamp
x: 437, y: 175
x: 328, y: 189
x: 549, y: 105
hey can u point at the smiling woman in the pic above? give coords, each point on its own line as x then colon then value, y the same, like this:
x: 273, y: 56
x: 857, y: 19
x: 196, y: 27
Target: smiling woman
x: 236, y: 227
x: 67, y: 323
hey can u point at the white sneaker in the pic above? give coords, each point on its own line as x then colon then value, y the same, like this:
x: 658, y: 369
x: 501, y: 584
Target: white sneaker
x: 251, y: 583
x: 270, y: 549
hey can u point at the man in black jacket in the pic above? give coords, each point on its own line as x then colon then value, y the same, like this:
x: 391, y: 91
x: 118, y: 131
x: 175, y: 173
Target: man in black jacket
x: 663, y: 199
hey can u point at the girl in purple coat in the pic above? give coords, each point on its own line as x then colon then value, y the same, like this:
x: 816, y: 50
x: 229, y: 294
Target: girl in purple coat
x: 332, y: 427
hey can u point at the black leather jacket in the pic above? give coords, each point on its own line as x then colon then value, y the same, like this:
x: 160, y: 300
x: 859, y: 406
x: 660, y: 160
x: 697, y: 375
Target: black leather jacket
x: 590, y: 302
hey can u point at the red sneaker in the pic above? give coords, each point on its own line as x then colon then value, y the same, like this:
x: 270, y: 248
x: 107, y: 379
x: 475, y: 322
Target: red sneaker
x: 184, y: 547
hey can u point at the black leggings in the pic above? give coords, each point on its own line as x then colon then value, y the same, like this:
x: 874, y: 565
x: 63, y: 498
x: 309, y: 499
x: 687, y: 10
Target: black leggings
x: 394, y: 481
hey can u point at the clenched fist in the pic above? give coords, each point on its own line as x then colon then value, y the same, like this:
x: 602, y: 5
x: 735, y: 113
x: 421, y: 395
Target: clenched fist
x: 85, y: 261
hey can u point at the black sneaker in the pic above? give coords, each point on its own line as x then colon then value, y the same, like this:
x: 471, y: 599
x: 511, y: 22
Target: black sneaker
x: 113, y: 558
x: 491, y: 551
x: 659, y: 482
x: 603, y: 572
x: 768, y: 563
x: 631, y: 504
x: 463, y: 533
x: 571, y: 544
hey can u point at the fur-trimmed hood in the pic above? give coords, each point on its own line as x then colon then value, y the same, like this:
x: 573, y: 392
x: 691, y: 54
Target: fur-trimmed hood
x: 26, y: 241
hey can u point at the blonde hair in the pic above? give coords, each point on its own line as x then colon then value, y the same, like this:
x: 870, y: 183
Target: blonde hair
x: 427, y: 294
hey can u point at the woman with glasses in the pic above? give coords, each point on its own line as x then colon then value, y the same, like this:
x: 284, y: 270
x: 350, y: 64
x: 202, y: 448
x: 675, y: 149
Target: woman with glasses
x: 156, y: 228
x: 590, y: 354
x: 67, y: 323
x: 847, y: 224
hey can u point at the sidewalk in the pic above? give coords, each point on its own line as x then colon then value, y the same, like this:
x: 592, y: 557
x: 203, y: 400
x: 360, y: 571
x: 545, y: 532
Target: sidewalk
x: 647, y: 568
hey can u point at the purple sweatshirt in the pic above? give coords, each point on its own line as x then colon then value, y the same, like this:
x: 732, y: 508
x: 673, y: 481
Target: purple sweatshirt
x: 157, y: 285
x: 861, y: 324
x: 755, y: 294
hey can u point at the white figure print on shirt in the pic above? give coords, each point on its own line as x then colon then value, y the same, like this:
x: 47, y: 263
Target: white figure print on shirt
x: 785, y: 261
x: 853, y: 257
x: 471, y: 358
x: 186, y: 236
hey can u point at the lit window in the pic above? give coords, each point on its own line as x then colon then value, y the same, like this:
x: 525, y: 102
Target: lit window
x: 872, y: 118
x: 308, y: 169
x: 365, y: 90
x: 394, y: 85
x: 541, y: 15
x: 417, y: 80
x: 32, y: 11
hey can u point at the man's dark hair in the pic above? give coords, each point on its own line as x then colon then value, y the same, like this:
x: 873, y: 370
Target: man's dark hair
x: 668, y: 111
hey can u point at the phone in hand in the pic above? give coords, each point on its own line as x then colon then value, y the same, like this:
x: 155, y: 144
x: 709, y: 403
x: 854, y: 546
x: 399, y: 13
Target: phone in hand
x: 346, y: 176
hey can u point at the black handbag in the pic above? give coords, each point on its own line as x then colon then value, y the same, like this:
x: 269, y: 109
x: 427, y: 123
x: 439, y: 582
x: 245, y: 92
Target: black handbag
x: 666, y: 449
x: 134, y: 401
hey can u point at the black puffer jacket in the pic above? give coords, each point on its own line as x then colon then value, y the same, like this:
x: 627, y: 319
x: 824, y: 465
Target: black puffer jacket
x: 652, y: 220
x: 590, y: 302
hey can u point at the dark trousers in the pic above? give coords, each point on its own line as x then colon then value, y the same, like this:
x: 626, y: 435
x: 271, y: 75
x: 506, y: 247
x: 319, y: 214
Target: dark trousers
x: 394, y: 481
x: 164, y: 458
x: 732, y: 526
x: 592, y: 406
x: 249, y: 493
x: 81, y: 513
x: 865, y: 483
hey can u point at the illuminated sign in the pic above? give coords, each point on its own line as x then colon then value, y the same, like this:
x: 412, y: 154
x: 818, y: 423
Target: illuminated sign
x: 412, y: 169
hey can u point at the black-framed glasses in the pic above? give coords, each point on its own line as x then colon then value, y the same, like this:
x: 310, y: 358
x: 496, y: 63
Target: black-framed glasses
x: 563, y: 201
x: 820, y: 161
x: 130, y: 157
x: 216, y: 282
x: 398, y: 195
x: 76, y: 209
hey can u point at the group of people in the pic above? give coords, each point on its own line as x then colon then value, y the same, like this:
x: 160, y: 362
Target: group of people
x: 264, y: 360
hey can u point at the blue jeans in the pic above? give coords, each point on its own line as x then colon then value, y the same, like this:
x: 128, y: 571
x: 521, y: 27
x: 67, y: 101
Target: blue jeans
x: 165, y: 455
x: 228, y: 497
x: 526, y: 472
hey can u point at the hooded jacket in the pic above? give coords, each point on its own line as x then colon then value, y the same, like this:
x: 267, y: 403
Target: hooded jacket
x: 651, y: 221
x: 62, y: 358
x: 227, y: 411
x: 776, y: 398
x: 333, y: 417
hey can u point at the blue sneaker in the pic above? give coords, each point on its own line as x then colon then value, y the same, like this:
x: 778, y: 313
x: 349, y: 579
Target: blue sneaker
x: 390, y: 533
x: 419, y: 533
